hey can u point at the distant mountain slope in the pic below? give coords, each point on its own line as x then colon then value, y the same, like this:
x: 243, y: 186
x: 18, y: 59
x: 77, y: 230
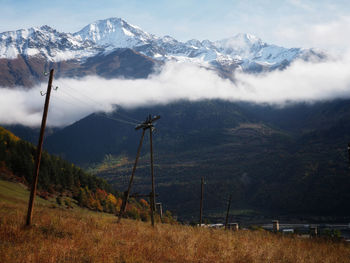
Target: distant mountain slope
x: 25, y: 53
x: 181, y: 122
x: 61, y: 180
x: 17, y: 157
x: 28, y: 71
x: 277, y: 163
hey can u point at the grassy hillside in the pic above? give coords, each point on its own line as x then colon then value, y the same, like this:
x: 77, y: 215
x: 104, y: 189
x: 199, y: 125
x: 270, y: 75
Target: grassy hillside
x: 15, y: 192
x: 80, y: 235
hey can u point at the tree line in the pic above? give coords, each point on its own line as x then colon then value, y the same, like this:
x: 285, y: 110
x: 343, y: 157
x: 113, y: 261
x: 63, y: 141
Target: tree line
x: 58, y: 177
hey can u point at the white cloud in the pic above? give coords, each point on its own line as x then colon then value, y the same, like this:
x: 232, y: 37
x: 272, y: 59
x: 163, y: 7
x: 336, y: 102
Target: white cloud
x: 301, y: 4
x: 76, y: 98
x: 331, y: 35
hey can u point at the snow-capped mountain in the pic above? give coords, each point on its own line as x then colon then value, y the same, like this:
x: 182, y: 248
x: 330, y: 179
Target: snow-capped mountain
x: 46, y: 42
x: 114, y: 32
x: 102, y: 37
x: 245, y: 50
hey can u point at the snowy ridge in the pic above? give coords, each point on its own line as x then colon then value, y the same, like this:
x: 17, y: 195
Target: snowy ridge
x: 243, y: 50
x: 114, y: 32
x: 45, y: 42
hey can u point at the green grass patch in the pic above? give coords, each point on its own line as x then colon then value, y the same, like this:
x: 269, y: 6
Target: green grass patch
x: 11, y: 192
x: 15, y: 193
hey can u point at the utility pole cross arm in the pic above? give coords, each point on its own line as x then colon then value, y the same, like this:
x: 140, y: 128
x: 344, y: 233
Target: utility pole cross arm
x: 148, y: 123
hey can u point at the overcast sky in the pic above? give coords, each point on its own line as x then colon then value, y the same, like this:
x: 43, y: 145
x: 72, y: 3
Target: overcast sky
x: 291, y: 23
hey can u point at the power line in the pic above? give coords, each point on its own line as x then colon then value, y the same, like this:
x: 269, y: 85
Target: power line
x: 87, y: 104
x: 115, y: 119
x: 100, y: 104
x: 65, y: 99
x: 125, y: 116
x: 75, y: 98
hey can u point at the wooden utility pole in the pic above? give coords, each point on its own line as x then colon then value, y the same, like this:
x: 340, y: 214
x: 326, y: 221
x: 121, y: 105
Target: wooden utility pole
x: 150, y: 196
x: 201, y: 203
x: 153, y: 200
x: 38, y: 152
x: 228, y: 211
x: 127, y: 193
x: 275, y: 226
x: 148, y: 124
x: 159, y: 208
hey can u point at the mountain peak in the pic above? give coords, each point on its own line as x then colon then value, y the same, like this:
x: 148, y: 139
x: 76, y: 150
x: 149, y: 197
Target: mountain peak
x: 114, y: 32
x: 240, y: 40
x: 108, y: 24
x: 247, y: 37
x: 47, y: 28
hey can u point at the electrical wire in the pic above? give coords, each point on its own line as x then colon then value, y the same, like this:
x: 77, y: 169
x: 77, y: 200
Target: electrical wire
x: 119, y: 120
x: 75, y: 98
x: 100, y: 104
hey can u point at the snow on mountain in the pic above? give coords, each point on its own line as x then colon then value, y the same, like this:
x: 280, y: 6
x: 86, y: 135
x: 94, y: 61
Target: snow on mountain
x: 44, y: 41
x: 243, y: 50
x: 114, y: 32
x: 249, y: 49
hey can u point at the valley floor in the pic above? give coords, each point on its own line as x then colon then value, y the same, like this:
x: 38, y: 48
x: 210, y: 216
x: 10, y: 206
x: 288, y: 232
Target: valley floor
x: 78, y: 235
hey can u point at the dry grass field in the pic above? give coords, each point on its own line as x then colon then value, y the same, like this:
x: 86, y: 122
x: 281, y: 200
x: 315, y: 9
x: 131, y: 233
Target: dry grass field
x: 61, y: 235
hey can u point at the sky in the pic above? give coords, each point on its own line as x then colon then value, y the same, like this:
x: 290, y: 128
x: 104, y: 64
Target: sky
x: 291, y: 23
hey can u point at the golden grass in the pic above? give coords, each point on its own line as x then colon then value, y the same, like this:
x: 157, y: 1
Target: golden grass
x: 60, y: 235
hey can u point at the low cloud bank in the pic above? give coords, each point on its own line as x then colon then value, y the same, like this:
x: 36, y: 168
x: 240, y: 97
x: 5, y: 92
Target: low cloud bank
x: 76, y: 98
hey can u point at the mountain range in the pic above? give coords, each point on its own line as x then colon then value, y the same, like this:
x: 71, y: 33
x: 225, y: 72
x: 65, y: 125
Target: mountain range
x: 25, y: 53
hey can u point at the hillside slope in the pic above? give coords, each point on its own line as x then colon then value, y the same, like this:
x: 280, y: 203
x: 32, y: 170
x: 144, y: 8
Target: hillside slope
x: 61, y: 181
x: 79, y: 235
